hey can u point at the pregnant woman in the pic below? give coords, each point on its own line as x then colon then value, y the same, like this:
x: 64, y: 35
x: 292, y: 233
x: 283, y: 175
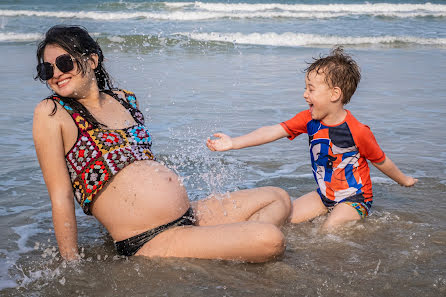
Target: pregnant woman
x: 92, y: 144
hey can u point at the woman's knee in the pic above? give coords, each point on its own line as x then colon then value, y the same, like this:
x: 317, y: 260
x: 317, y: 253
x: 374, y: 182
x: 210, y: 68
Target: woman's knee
x: 271, y: 241
x: 282, y: 196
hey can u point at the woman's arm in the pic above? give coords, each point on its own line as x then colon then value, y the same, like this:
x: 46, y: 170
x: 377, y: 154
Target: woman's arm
x: 391, y: 170
x: 48, y: 141
x: 257, y: 137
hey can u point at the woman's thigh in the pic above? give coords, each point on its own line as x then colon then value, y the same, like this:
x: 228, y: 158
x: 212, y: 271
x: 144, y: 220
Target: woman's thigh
x: 244, y: 241
x: 266, y: 204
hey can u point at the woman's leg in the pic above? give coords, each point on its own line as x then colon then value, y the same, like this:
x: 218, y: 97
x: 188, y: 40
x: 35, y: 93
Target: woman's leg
x: 243, y: 241
x: 307, y: 207
x: 267, y: 205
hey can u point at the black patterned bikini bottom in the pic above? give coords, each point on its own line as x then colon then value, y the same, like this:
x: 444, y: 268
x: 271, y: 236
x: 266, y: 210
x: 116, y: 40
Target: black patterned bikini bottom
x: 129, y: 246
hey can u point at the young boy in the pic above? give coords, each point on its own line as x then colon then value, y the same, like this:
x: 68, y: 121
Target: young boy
x: 339, y: 145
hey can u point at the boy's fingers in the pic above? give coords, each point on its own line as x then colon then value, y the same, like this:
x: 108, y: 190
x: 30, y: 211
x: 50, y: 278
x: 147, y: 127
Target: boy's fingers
x: 209, y: 144
x: 414, y: 181
x: 220, y: 135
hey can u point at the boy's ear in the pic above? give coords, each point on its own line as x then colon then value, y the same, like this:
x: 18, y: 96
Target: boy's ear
x: 336, y: 94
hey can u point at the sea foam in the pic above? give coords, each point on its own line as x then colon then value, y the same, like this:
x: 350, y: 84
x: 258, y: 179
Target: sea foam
x: 287, y: 39
x: 300, y: 39
x: 365, y: 8
x: 194, y: 15
x: 11, y: 36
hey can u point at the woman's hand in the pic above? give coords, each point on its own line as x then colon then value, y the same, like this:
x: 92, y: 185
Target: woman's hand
x: 222, y: 143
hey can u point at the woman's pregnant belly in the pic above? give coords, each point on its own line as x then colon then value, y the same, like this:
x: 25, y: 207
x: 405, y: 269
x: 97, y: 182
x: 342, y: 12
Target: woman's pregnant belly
x: 142, y: 196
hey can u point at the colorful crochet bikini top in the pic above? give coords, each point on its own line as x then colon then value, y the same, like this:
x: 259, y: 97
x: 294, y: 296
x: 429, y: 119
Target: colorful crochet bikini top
x: 99, y: 153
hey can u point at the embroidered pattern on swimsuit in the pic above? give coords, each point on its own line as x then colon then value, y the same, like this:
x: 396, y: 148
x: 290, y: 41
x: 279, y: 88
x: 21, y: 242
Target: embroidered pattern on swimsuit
x: 99, y: 153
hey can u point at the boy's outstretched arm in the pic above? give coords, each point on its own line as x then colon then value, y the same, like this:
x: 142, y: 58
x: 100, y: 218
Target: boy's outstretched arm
x: 257, y: 137
x: 391, y: 170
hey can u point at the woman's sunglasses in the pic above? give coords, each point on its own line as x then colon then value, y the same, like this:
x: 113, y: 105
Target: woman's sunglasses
x: 64, y: 63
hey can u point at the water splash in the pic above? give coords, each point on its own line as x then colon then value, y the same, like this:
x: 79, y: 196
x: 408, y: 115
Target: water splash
x: 202, y: 171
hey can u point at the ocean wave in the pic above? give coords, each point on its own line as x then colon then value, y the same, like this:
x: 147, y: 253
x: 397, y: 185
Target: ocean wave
x: 210, y: 15
x: 300, y: 39
x: 11, y: 36
x: 193, y: 39
x: 365, y: 8
x: 132, y: 5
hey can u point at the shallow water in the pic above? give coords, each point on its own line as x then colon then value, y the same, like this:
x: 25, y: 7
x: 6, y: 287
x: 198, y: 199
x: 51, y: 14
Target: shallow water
x: 189, y: 89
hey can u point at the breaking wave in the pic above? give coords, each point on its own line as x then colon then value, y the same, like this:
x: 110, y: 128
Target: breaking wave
x: 301, y: 39
x: 288, y: 39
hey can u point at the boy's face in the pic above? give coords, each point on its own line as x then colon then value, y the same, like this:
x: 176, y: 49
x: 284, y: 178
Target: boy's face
x: 318, y: 94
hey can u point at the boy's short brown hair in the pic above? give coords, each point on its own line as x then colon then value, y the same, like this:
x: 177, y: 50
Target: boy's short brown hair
x: 340, y: 71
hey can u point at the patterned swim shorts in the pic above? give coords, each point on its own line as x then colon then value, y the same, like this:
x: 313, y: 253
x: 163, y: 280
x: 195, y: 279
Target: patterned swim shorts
x: 362, y: 208
x: 357, y: 202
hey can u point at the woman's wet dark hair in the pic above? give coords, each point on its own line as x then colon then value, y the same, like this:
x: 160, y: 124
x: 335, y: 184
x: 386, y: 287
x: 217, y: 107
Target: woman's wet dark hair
x: 76, y: 41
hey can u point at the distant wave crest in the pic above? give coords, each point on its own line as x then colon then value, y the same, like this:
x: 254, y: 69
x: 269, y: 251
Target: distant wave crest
x: 288, y: 39
x: 11, y: 36
x: 322, y: 12
x: 351, y: 8
x: 301, y: 39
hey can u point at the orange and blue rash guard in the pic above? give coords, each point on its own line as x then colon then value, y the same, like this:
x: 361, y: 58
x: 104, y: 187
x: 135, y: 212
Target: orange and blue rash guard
x: 339, y: 155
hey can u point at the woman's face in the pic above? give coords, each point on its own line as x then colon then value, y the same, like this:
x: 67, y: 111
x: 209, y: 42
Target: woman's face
x: 72, y: 84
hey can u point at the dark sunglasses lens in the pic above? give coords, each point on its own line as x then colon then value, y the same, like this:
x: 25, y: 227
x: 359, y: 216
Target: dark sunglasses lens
x: 64, y: 63
x: 45, y: 71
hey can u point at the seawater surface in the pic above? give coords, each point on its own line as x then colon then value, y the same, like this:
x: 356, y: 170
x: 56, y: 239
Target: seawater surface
x: 202, y: 67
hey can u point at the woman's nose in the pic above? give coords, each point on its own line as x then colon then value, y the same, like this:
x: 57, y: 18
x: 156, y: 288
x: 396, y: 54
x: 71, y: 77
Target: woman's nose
x: 56, y: 71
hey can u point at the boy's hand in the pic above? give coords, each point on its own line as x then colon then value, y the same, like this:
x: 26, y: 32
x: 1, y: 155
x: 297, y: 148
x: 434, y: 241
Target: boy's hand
x: 409, y: 181
x: 391, y: 170
x: 222, y: 143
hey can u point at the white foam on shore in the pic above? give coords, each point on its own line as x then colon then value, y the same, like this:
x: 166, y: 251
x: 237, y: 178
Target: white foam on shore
x: 24, y: 232
x: 5, y: 280
x: 382, y: 180
x: 301, y: 39
x: 207, y: 15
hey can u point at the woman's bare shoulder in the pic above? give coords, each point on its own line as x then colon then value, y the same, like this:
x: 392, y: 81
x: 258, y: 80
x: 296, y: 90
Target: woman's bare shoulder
x: 45, y: 107
x: 49, y: 110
